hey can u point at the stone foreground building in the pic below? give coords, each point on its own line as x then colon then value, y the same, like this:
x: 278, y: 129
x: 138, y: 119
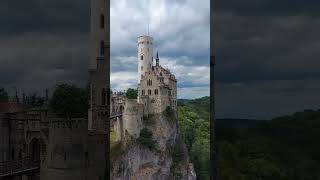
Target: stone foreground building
x: 36, y: 144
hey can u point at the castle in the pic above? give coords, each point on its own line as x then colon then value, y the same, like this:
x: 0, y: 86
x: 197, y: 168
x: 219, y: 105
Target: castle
x: 157, y: 90
x: 38, y: 144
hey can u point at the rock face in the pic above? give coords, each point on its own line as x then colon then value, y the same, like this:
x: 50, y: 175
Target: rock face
x: 138, y: 162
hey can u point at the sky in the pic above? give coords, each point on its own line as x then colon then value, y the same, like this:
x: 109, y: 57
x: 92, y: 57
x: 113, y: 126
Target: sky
x: 267, y: 51
x: 43, y: 43
x: 267, y: 57
x: 181, y: 33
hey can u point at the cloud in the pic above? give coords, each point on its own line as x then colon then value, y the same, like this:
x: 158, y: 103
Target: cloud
x: 181, y: 35
x: 34, y: 61
x: 266, y: 99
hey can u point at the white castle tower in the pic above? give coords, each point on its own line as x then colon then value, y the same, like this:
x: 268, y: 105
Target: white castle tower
x: 99, y: 64
x: 145, y: 55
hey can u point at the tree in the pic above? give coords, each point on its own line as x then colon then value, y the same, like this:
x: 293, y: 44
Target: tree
x: 69, y: 101
x: 132, y: 93
x: 4, y: 97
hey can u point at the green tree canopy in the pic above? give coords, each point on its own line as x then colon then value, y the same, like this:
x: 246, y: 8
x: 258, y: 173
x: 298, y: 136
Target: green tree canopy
x: 69, y: 101
x: 132, y: 93
x: 4, y: 97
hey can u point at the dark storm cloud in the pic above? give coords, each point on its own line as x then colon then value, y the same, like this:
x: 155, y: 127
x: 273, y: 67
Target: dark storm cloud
x: 43, y: 43
x: 273, y: 43
x: 35, y: 61
x: 18, y: 16
x: 269, y: 7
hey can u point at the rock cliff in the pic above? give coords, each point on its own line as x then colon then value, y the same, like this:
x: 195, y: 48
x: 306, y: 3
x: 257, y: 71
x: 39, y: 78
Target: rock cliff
x: 158, y: 154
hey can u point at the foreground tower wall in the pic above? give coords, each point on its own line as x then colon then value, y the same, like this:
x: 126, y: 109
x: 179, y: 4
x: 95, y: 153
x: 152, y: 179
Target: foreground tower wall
x: 99, y: 66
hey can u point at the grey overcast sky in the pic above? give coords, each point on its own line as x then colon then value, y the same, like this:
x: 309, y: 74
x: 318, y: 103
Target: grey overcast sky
x: 267, y: 50
x: 181, y: 33
x: 45, y: 42
x: 268, y: 57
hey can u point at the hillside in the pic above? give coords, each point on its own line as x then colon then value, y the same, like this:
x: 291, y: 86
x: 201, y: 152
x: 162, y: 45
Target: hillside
x: 195, y: 130
x: 283, y: 148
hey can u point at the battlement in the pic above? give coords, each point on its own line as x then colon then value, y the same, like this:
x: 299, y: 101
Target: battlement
x: 75, y: 123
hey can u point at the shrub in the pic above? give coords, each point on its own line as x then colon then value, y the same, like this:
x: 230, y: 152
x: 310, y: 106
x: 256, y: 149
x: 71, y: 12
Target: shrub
x: 177, y: 153
x: 145, y: 139
x: 169, y: 112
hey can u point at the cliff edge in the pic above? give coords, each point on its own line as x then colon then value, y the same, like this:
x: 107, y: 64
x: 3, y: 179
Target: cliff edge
x: 158, y: 153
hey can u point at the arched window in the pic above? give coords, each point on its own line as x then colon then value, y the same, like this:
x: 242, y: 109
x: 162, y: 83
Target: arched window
x: 103, y: 97
x: 101, y: 48
x: 101, y: 21
x: 141, y: 57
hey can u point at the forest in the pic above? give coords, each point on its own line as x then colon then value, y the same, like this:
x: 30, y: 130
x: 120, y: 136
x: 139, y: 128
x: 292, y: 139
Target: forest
x: 283, y: 148
x: 194, y: 126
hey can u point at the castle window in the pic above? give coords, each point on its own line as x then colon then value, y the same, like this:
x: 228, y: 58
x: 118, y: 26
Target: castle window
x: 149, y: 91
x: 101, y: 48
x: 103, y: 97
x: 143, y: 92
x: 141, y: 57
x: 156, y: 92
x: 108, y: 96
x: 101, y: 21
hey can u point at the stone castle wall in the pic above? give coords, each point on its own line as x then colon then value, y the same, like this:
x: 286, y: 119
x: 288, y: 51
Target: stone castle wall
x: 132, y: 117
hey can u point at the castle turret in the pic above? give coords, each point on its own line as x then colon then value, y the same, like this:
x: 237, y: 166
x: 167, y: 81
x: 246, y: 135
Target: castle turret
x: 145, y: 55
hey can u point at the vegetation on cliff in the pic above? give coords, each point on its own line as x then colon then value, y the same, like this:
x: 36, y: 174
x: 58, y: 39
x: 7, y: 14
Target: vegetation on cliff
x: 145, y: 139
x: 194, y: 127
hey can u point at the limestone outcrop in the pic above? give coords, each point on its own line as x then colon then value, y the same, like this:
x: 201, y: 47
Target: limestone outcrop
x: 168, y: 160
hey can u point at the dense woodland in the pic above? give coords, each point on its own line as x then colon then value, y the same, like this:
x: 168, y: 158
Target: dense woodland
x: 282, y: 148
x: 194, y: 126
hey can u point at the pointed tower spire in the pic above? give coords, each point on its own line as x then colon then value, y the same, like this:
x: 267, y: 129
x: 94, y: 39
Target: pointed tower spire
x: 157, y: 59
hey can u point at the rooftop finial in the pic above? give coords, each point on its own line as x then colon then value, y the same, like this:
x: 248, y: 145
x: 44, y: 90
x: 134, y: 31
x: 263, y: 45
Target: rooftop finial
x: 157, y: 59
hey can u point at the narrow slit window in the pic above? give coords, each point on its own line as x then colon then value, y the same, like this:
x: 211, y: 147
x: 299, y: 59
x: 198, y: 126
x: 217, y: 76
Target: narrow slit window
x: 101, y: 21
x: 101, y: 48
